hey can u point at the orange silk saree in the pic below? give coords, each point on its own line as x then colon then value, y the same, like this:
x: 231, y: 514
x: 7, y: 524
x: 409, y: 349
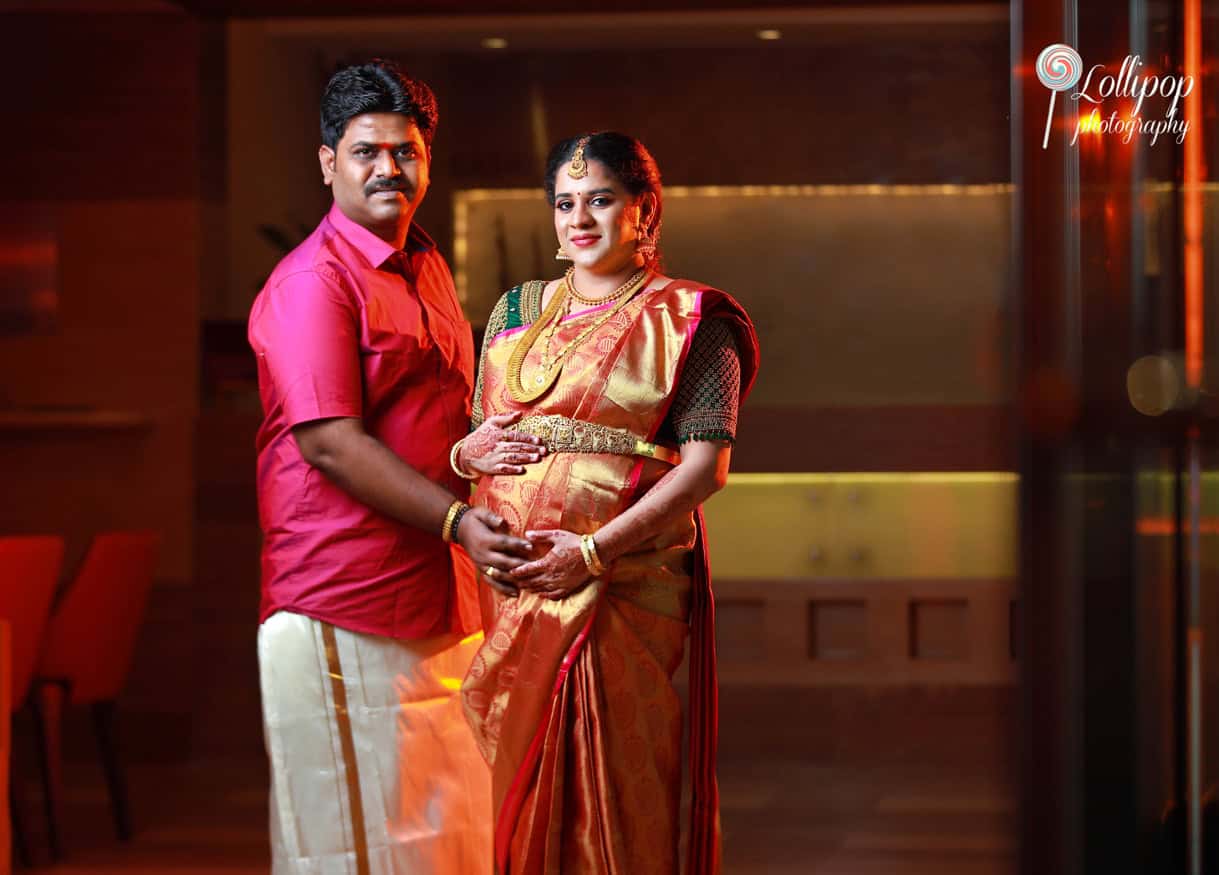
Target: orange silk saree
x: 572, y: 702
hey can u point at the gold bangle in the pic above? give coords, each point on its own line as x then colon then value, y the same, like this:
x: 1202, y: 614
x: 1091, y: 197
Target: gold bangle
x: 588, y: 559
x: 453, y: 462
x: 446, y: 530
x: 588, y: 549
x: 592, y: 551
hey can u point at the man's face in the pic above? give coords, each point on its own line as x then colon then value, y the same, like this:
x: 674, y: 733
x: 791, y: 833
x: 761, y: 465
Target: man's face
x: 378, y: 172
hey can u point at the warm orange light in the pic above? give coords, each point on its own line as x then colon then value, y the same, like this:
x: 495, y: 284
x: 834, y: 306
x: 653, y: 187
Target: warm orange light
x: 1192, y: 196
x: 1090, y: 124
x: 1167, y: 526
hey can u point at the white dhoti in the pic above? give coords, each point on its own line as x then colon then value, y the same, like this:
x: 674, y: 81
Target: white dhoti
x: 373, y: 769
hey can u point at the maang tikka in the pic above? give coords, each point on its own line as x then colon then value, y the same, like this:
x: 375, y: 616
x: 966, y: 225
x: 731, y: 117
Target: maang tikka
x: 578, y: 168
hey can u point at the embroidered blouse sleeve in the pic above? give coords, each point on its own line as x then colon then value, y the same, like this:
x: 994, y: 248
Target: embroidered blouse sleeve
x: 496, y: 322
x: 709, y: 389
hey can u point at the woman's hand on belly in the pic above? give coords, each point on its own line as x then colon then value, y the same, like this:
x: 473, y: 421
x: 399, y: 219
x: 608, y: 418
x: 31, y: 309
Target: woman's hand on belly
x: 495, y: 449
x: 557, y: 574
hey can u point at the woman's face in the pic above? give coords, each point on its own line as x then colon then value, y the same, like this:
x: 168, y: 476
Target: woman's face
x: 596, y: 220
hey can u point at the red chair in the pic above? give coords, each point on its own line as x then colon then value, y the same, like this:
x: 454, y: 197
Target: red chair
x: 89, y: 645
x: 29, y: 571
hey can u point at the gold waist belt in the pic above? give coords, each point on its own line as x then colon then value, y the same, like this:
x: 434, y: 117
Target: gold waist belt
x: 562, y: 434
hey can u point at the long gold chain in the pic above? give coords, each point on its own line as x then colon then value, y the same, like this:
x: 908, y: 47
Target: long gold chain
x: 548, y: 323
x: 515, y: 387
x: 548, y: 335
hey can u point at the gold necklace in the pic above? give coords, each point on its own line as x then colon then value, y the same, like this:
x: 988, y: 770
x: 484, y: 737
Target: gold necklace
x: 548, y: 323
x: 640, y: 280
x: 548, y: 335
x: 570, y: 278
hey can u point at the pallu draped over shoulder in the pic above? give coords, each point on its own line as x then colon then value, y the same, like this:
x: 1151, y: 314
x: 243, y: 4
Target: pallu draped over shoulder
x: 572, y: 701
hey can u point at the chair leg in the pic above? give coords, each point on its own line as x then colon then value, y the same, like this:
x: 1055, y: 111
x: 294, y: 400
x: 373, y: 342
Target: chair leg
x: 48, y: 703
x: 103, y: 728
x: 21, y: 847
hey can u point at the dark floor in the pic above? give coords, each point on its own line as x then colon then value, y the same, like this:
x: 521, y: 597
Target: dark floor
x: 832, y: 782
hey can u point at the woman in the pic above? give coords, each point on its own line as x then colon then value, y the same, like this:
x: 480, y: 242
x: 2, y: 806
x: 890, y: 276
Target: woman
x: 570, y: 696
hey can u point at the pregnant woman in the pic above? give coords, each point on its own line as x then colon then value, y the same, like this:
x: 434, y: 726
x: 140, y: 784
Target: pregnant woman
x: 632, y: 379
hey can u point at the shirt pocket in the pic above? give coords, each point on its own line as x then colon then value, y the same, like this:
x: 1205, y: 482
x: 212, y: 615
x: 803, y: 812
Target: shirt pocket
x: 398, y: 346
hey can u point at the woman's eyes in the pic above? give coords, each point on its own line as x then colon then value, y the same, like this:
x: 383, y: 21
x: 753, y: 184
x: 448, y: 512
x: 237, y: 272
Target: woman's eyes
x: 566, y: 206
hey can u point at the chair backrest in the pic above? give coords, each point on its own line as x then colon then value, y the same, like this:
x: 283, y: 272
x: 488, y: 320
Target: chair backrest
x: 91, y: 636
x: 29, y: 572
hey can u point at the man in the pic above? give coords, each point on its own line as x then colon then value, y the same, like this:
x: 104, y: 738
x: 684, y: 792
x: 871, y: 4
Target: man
x: 365, y: 372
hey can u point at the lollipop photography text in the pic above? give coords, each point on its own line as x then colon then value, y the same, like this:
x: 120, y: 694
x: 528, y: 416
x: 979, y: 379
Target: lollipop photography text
x: 1059, y: 68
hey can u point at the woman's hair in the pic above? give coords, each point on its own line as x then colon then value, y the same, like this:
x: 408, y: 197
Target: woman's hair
x: 627, y: 159
x: 378, y: 86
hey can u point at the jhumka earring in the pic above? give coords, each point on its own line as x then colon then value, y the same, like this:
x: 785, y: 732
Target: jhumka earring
x: 645, y: 244
x: 562, y: 255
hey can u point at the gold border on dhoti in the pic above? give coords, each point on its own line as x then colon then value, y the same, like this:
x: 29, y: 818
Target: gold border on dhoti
x: 346, y: 741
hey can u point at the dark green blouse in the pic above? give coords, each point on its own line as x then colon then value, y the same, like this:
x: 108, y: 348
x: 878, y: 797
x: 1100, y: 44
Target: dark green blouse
x: 708, y: 391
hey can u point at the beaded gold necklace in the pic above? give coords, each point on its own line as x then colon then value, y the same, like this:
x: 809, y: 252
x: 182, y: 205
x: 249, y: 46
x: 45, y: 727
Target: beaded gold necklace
x: 570, y: 279
x: 547, y: 324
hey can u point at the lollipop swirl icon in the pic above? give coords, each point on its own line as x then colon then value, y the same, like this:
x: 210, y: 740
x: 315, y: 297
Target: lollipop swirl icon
x: 1058, y: 67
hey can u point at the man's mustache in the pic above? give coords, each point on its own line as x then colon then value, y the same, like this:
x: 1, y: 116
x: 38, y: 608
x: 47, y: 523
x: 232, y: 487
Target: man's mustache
x: 388, y: 185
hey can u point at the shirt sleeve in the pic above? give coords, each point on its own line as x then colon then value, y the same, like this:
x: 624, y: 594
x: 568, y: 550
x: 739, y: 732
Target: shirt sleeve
x: 709, y: 389
x: 306, y: 332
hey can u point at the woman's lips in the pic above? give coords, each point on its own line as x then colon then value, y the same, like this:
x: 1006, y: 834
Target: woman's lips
x: 584, y: 241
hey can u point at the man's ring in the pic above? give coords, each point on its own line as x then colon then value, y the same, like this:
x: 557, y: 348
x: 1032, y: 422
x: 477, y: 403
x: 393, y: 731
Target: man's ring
x: 489, y: 571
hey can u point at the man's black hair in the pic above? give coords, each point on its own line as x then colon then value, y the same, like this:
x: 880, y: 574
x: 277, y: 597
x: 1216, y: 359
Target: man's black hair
x: 377, y: 86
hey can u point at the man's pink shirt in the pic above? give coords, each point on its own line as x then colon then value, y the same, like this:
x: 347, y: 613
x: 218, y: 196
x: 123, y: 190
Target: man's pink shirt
x: 348, y: 326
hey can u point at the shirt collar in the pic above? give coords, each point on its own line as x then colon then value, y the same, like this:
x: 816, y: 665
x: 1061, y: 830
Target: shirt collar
x: 372, y: 247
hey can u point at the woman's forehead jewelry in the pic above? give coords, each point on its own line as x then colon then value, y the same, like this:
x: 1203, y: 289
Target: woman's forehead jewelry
x: 578, y: 168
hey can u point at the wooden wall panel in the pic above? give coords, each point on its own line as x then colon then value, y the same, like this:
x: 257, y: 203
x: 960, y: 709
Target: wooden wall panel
x: 939, y: 629
x: 906, y: 437
x: 108, y: 106
x: 104, y: 130
x: 838, y: 629
x: 127, y: 341
x: 882, y: 633
x: 104, y: 105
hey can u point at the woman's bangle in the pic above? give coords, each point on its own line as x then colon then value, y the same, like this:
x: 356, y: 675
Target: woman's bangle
x: 457, y: 469
x: 592, y: 552
x: 588, y: 559
x: 588, y: 549
x: 450, y: 519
